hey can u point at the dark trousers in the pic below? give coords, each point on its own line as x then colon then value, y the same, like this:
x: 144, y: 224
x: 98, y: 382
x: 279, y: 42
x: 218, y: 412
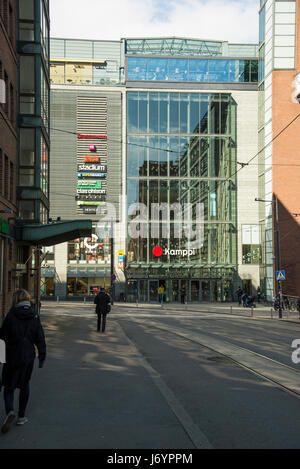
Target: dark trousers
x: 23, y: 400
x: 99, y: 322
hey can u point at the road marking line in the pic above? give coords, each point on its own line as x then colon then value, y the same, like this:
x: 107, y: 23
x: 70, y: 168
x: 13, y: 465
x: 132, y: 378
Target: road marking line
x: 197, y: 437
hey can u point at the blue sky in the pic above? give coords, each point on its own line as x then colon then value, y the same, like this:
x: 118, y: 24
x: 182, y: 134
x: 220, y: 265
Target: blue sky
x: 228, y: 20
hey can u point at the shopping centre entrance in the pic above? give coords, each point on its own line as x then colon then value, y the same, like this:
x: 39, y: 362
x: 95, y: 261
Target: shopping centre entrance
x: 179, y: 290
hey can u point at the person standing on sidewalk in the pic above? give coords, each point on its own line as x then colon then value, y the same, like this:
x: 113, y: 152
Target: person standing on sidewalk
x: 258, y: 294
x: 239, y: 293
x: 161, y: 292
x: 21, y: 331
x: 182, y: 295
x: 102, y: 301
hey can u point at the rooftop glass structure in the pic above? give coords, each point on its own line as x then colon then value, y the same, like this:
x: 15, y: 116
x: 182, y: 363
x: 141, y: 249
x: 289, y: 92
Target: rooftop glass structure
x: 175, y: 46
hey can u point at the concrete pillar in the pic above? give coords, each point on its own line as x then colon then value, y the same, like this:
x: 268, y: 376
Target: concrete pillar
x: 61, y: 255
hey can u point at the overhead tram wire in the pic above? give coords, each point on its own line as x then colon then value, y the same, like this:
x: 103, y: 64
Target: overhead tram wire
x: 120, y: 141
x: 262, y: 149
x: 177, y: 151
x: 173, y: 151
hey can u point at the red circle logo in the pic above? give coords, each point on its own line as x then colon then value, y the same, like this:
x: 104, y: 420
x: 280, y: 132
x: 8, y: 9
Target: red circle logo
x: 157, y: 251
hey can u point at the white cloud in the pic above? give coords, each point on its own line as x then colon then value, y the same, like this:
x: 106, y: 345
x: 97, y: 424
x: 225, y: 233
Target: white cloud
x: 228, y: 20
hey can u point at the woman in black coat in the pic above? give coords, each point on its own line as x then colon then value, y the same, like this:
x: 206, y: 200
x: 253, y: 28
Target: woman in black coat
x: 21, y: 331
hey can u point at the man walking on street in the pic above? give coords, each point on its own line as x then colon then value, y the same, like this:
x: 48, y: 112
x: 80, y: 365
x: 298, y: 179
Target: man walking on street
x: 102, y: 301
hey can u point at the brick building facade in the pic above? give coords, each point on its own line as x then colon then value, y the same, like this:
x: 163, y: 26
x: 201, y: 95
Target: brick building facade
x: 8, y: 148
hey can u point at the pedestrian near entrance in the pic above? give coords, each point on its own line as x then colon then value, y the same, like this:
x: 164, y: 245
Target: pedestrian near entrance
x: 182, y: 295
x: 102, y: 301
x: 21, y: 331
x: 239, y: 293
x: 161, y: 292
x: 258, y: 294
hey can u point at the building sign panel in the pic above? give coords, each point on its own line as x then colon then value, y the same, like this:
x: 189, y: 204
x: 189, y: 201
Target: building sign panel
x: 91, y: 175
x: 91, y: 159
x: 94, y: 197
x: 92, y: 210
x: 91, y: 191
x: 92, y: 167
x: 87, y: 136
x: 91, y: 154
x: 89, y: 185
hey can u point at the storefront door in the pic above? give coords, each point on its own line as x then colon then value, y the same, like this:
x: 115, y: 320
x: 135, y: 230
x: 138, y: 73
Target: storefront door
x: 175, y: 290
x: 153, y: 291
x: 132, y: 291
x: 195, y: 291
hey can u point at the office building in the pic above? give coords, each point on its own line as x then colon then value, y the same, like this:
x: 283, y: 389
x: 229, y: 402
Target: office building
x: 180, y: 120
x: 192, y: 108
x: 86, y: 111
x: 279, y: 142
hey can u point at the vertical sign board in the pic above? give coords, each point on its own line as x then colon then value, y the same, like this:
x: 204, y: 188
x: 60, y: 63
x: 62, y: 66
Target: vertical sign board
x: 280, y: 275
x: 121, y: 259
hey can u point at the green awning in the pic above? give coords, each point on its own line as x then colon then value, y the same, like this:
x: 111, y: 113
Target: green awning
x: 53, y: 233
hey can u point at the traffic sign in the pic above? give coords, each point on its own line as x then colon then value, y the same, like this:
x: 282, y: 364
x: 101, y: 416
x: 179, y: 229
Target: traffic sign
x: 280, y: 275
x: 113, y: 277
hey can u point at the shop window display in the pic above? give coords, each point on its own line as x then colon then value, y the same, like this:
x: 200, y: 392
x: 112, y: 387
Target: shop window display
x: 89, y: 250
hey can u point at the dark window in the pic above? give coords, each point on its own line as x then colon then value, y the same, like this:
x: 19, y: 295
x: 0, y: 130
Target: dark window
x: 6, y: 93
x: 132, y: 112
x: 251, y: 253
x: 153, y: 112
x: 12, y: 104
x: 11, y: 182
x: 5, y: 13
x: 143, y: 112
x: 6, y: 173
x: 1, y: 172
x: 11, y: 24
x: 174, y: 113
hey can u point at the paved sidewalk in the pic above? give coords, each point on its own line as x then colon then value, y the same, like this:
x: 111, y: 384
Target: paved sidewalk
x: 93, y: 392
x: 260, y: 311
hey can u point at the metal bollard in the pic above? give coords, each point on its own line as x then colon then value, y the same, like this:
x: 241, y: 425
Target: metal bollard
x: 230, y: 309
x: 271, y: 313
x: 84, y: 299
x: 57, y: 299
x: 252, y: 311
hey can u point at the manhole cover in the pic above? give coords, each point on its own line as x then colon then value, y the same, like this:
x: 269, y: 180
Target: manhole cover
x: 217, y: 359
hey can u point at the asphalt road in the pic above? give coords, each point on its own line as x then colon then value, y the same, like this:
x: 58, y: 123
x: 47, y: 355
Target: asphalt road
x: 162, y: 380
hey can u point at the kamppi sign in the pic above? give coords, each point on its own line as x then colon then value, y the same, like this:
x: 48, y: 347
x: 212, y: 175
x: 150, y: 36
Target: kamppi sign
x: 158, y: 251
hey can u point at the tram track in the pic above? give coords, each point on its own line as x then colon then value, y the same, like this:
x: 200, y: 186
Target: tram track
x: 273, y: 371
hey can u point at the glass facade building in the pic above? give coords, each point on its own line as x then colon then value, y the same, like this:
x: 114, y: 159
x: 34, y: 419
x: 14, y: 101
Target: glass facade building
x: 182, y: 149
x: 192, y: 70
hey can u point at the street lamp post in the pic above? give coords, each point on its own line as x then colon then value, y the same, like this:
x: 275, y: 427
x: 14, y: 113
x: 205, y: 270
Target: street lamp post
x: 112, y: 285
x: 278, y: 256
x: 278, y: 262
